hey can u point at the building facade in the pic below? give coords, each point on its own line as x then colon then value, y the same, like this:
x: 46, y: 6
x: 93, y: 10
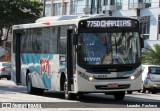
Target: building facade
x: 147, y: 11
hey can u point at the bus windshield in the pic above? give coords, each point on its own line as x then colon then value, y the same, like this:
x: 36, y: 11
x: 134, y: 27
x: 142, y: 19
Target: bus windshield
x: 108, y: 48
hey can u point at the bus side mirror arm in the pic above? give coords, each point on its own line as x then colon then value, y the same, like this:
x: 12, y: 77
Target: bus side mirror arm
x: 142, y: 42
x: 75, y: 39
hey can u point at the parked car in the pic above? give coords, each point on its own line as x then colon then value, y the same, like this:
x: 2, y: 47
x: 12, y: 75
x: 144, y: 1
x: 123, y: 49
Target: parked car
x: 5, y: 70
x: 151, y: 78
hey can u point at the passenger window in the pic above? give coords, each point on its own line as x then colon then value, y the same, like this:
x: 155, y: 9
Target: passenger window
x: 158, y: 71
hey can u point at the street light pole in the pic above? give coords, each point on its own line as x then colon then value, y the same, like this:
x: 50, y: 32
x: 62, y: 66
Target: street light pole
x: 44, y: 3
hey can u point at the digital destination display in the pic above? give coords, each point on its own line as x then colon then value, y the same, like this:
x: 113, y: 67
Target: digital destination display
x: 108, y: 23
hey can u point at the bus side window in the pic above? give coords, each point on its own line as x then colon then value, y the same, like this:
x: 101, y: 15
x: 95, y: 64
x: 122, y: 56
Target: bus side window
x: 62, y: 45
x: 62, y: 39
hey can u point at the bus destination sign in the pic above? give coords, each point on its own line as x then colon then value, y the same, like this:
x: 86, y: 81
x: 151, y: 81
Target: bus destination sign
x: 108, y: 23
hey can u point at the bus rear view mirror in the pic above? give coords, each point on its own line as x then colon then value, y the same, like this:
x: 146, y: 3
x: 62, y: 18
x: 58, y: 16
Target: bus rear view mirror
x: 75, y: 39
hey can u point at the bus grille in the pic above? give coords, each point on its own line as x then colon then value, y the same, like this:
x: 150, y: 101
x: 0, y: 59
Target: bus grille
x: 111, y: 78
x: 104, y: 87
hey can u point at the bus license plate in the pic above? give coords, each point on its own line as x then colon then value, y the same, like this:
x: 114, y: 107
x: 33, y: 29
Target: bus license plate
x: 114, y: 85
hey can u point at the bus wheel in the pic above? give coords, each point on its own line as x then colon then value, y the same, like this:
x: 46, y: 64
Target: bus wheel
x: 80, y: 95
x: 40, y: 91
x: 129, y: 92
x: 30, y: 89
x: 153, y: 91
x: 8, y: 78
x: 67, y: 94
x: 119, y: 95
x: 143, y: 89
x: 139, y: 91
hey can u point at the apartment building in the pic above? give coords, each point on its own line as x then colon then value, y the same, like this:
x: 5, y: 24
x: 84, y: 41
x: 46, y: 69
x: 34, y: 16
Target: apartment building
x: 147, y: 11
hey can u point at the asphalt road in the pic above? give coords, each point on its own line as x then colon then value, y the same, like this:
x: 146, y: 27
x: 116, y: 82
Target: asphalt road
x: 11, y: 93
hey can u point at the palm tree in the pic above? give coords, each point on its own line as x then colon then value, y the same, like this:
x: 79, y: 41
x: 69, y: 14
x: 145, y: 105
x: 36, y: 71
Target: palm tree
x: 151, y: 55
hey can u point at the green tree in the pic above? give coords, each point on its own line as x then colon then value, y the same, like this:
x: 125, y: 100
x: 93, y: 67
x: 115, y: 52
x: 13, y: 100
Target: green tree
x: 151, y: 55
x: 18, y: 12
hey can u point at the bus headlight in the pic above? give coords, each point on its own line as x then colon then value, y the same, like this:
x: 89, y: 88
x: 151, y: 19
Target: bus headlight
x: 89, y: 78
x: 135, y: 76
x: 132, y: 77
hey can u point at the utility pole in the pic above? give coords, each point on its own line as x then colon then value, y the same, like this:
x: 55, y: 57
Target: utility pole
x: 44, y: 4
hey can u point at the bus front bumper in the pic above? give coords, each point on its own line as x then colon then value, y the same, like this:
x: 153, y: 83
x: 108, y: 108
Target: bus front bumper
x: 109, y: 85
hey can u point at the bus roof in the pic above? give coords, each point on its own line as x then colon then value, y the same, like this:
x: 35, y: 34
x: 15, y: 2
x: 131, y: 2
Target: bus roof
x: 59, y: 20
x: 50, y: 21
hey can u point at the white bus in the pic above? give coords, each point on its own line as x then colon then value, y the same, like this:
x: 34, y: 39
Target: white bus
x: 78, y: 55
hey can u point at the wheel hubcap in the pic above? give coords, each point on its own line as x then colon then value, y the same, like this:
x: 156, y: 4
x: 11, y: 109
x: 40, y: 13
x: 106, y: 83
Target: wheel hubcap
x: 65, y: 90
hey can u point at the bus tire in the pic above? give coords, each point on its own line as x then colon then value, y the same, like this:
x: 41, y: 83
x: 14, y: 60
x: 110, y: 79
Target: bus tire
x: 80, y: 95
x: 129, y: 92
x: 30, y: 89
x: 119, y: 95
x: 153, y: 91
x: 8, y: 78
x: 67, y: 94
x: 143, y: 89
x: 139, y: 91
x: 39, y: 91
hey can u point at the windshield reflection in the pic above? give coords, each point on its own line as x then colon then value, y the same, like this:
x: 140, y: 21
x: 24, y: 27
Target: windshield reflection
x: 108, y: 48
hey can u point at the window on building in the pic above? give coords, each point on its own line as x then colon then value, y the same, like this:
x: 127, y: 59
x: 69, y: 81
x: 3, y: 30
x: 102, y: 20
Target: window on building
x: 133, y: 1
x: 47, y: 9
x: 145, y: 27
x: 66, y: 8
x: 139, y: 1
x: 57, y: 9
x: 73, y: 7
x: 117, y: 4
x: 105, y: 2
x: 133, y: 4
x: 88, y: 3
x: 79, y: 6
x: 112, y: 2
x: 146, y: 1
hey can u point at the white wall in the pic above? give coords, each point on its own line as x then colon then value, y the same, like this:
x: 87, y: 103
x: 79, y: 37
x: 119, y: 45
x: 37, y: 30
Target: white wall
x: 153, y: 12
x: 151, y: 42
x: 155, y: 3
x: 125, y: 4
x: 127, y: 13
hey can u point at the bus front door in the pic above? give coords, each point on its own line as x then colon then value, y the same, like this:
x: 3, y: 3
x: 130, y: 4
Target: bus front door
x: 69, y: 59
x: 17, y: 58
